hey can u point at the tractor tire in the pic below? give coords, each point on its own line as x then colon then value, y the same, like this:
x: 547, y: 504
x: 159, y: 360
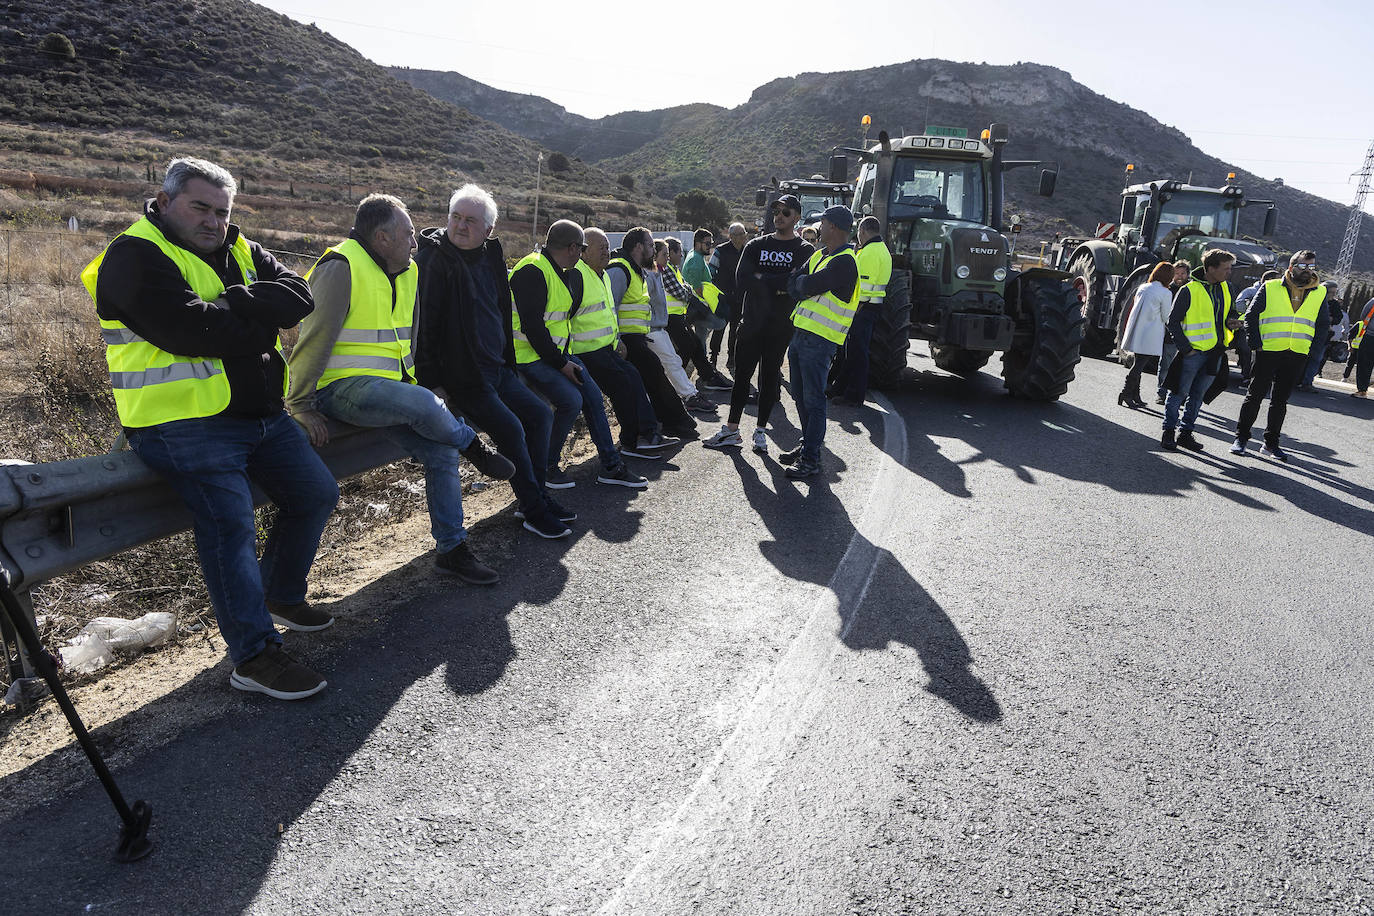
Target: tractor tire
x: 887, y: 351
x: 957, y: 359
x: 1090, y: 283
x: 1040, y: 365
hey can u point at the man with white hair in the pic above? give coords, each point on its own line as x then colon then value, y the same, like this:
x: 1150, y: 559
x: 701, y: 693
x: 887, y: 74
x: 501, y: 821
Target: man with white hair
x: 465, y: 352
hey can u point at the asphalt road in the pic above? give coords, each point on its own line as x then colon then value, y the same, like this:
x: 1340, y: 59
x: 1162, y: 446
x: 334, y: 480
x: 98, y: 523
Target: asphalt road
x: 1003, y: 658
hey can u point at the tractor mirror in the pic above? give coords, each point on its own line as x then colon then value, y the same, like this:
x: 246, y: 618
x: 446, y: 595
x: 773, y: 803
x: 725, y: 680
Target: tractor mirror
x: 1047, y: 180
x: 760, y: 198
x: 1271, y: 220
x: 839, y: 168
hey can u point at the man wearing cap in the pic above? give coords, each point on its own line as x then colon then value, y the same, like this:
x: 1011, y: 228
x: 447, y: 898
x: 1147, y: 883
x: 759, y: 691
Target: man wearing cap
x: 850, y: 373
x: 766, y: 328
x: 827, y: 290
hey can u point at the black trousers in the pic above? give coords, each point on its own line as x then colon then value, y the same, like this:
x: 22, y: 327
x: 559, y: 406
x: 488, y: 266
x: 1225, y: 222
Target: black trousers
x: 1282, y: 369
x: 619, y: 380
x: 662, y: 395
x: 763, y: 338
x: 732, y: 318
x: 688, y: 346
x: 1365, y: 363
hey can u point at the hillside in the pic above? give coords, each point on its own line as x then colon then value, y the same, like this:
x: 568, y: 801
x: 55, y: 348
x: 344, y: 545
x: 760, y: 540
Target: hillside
x: 789, y: 125
x: 235, y: 81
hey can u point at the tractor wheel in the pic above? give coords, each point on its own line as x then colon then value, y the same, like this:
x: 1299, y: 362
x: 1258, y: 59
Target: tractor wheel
x: 887, y: 352
x: 1041, y: 362
x: 1089, y: 284
x: 958, y: 360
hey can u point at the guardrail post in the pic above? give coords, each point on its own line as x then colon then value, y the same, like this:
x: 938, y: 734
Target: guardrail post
x: 16, y: 654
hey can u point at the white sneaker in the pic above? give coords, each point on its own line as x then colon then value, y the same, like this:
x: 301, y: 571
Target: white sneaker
x: 726, y: 438
x: 1238, y: 447
x: 760, y: 442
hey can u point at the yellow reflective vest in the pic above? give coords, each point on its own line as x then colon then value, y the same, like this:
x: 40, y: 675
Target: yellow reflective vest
x: 375, y: 339
x: 150, y: 385
x: 1283, y: 327
x: 675, y: 306
x: 557, y: 307
x: 1199, y: 322
x: 1360, y: 327
x: 826, y: 315
x: 875, y: 270
x: 710, y: 294
x: 593, y: 324
x: 633, y: 313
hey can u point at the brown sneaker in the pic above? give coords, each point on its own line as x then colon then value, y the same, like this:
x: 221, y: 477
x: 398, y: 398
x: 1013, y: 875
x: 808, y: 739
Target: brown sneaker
x: 278, y: 675
x: 303, y: 617
x: 461, y: 562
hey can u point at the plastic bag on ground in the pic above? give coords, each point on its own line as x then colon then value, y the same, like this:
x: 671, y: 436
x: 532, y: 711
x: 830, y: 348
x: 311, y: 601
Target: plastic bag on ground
x: 95, y: 646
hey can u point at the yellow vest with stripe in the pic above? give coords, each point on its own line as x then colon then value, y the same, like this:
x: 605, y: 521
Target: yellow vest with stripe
x: 633, y: 314
x: 710, y: 294
x: 150, y: 385
x: 1199, y: 322
x: 1283, y: 328
x: 593, y: 325
x: 875, y: 270
x: 557, y: 305
x: 675, y: 306
x: 375, y: 339
x: 826, y: 315
x: 1360, y: 327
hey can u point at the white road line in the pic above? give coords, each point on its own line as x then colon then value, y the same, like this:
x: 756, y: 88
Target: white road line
x: 731, y: 783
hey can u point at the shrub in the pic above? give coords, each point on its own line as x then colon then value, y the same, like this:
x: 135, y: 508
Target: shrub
x: 559, y: 163
x: 58, y: 46
x: 626, y: 181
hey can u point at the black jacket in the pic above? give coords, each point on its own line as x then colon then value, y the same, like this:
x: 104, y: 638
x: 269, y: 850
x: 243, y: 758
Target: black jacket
x: 139, y: 286
x: 444, y: 335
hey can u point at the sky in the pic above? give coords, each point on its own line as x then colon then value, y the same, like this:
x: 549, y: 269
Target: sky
x: 1283, y: 90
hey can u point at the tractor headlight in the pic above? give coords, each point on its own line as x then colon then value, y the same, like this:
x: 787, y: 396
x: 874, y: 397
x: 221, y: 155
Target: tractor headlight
x: 962, y: 271
x: 999, y: 274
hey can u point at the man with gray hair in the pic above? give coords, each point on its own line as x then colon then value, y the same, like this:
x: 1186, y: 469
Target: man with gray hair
x: 190, y: 311
x: 353, y: 363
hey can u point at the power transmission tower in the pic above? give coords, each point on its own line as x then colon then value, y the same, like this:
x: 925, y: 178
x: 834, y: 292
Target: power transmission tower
x: 1352, y: 229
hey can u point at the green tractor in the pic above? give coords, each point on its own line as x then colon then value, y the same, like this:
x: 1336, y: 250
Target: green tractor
x: 1164, y: 220
x: 938, y: 196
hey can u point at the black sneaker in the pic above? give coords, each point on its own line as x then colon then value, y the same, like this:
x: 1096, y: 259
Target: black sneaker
x: 717, y: 382
x: 1273, y: 451
x: 790, y: 457
x: 620, y: 476
x: 303, y: 617
x: 1167, y: 442
x: 560, y: 512
x: 656, y: 442
x: 1186, y: 440
x: 683, y: 432
x: 634, y: 451
x: 488, y: 462
x: 804, y: 467
x: 460, y: 562
x: 546, y: 526
x: 555, y: 479
x: 276, y: 674
x: 700, y: 404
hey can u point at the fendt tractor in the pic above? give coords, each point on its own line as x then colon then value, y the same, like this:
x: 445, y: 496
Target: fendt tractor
x: 1164, y: 220
x: 938, y: 196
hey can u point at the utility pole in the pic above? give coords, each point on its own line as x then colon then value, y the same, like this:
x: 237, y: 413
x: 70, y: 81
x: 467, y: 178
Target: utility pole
x: 1352, y: 228
x: 534, y: 226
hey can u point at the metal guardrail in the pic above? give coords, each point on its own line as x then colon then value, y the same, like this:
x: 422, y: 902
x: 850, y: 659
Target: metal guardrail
x: 62, y: 515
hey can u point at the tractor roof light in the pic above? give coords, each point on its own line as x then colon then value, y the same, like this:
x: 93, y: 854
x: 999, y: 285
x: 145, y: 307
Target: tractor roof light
x: 917, y: 141
x: 935, y: 142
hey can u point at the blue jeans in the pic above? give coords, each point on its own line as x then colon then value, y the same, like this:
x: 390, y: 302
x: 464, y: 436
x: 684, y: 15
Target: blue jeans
x: 519, y: 422
x: 568, y: 400
x: 1165, y: 360
x: 851, y: 369
x: 1192, y: 385
x: 211, y: 464
x: 808, y: 359
x: 421, y: 425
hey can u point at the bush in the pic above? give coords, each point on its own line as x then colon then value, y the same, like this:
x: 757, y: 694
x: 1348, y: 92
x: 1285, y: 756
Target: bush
x: 559, y: 163
x: 58, y: 46
x: 626, y: 181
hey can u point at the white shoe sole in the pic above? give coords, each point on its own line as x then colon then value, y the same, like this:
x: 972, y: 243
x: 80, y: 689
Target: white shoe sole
x: 643, y: 456
x: 300, y: 627
x: 566, y: 485
x: 711, y: 443
x: 251, y: 686
x: 549, y: 537
x: 632, y: 484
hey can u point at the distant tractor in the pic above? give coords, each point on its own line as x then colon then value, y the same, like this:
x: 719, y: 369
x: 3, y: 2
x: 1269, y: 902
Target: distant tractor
x: 938, y: 196
x: 1164, y: 220
x: 815, y: 193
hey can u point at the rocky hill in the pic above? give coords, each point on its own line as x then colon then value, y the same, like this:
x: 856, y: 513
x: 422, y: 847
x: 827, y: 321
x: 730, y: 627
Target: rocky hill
x: 789, y: 125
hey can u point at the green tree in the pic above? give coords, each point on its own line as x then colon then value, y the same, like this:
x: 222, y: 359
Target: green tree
x: 559, y: 163
x: 626, y: 181
x: 702, y: 208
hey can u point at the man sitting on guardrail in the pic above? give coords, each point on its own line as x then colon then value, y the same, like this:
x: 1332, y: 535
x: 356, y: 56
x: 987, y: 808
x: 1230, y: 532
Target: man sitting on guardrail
x: 189, y: 310
x: 353, y: 362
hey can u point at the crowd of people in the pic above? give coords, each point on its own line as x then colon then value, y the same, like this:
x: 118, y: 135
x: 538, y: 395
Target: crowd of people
x: 1184, y: 321
x: 431, y: 336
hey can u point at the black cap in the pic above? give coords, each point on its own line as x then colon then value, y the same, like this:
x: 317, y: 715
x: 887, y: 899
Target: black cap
x: 790, y: 201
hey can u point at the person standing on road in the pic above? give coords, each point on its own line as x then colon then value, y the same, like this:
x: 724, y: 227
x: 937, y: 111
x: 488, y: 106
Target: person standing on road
x: 353, y: 363
x: 465, y: 350
x: 766, y: 328
x: 1364, y: 364
x: 1316, y: 358
x: 1201, y: 323
x: 1144, y: 336
x: 1244, y: 356
x: 1166, y: 359
x: 696, y: 272
x: 724, y: 263
x: 190, y: 310
x: 850, y: 372
x: 1281, y: 324
x: 827, y: 294
x: 543, y: 287
x: 1356, y: 336
x: 627, y: 276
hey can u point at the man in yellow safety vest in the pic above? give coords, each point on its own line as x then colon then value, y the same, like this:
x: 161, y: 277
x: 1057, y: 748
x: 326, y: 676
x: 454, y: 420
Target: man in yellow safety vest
x: 190, y: 310
x: 1201, y: 324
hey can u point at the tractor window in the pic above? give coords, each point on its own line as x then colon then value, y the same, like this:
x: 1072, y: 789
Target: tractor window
x: 1209, y: 213
x: 863, y: 202
x: 937, y: 188
x: 813, y: 205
